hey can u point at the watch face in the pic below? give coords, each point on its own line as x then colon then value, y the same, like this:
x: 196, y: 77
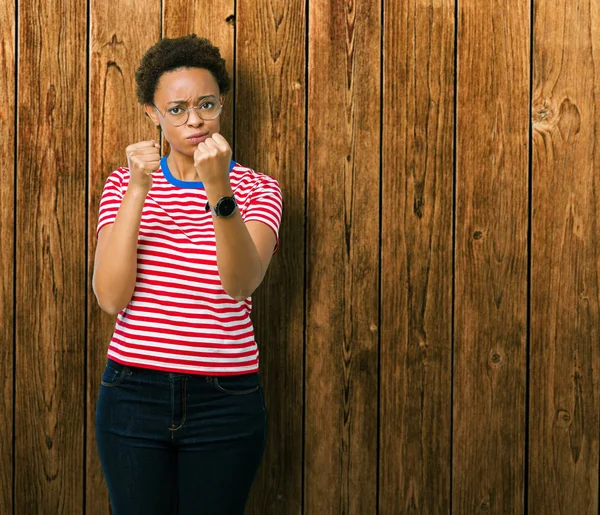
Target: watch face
x: 225, y: 207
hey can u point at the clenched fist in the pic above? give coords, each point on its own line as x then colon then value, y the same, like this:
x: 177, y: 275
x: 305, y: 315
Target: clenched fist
x: 143, y: 159
x: 211, y: 160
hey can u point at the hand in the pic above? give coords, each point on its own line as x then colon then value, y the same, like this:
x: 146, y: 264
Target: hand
x: 211, y: 160
x: 143, y: 159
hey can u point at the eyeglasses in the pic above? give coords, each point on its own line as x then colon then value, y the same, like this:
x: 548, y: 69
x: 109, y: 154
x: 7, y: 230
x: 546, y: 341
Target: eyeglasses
x: 208, y: 109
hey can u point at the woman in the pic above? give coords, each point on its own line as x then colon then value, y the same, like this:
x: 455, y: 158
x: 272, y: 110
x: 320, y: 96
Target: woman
x: 183, y: 242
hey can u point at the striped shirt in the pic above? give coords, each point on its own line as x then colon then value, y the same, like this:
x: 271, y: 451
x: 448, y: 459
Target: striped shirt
x: 179, y: 318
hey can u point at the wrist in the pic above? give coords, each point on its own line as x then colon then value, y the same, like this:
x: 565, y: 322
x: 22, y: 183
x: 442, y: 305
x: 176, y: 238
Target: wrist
x: 224, y: 208
x: 216, y: 191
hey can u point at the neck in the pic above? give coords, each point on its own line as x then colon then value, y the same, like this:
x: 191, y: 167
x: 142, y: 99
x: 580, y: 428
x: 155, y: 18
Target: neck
x: 182, y: 166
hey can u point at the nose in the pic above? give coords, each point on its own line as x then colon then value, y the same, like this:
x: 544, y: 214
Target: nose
x: 194, y: 119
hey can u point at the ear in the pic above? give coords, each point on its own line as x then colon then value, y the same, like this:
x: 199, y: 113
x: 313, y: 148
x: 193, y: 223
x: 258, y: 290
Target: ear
x: 151, y: 112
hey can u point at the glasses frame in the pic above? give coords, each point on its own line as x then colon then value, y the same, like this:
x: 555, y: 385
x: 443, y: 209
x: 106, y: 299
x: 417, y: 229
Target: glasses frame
x: 187, y: 110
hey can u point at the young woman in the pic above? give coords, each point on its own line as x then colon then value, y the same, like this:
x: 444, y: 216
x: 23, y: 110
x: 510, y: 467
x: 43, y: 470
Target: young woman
x: 183, y: 242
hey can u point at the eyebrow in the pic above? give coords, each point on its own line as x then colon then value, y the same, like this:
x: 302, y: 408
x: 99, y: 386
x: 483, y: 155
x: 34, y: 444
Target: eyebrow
x: 184, y: 101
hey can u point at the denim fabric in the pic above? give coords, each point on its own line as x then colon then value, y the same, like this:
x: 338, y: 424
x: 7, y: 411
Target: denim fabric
x: 182, y: 444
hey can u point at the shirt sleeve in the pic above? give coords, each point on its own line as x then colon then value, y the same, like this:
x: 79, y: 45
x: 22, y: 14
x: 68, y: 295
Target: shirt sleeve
x: 266, y: 205
x: 112, y: 196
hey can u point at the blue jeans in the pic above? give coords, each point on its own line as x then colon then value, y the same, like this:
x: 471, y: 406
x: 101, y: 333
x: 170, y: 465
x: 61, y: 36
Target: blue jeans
x: 184, y: 444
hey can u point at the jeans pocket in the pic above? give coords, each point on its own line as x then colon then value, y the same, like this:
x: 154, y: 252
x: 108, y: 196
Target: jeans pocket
x: 114, y: 374
x: 237, y: 385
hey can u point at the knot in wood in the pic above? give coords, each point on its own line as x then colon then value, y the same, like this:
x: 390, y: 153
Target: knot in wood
x: 543, y: 112
x: 563, y: 418
x: 495, y: 358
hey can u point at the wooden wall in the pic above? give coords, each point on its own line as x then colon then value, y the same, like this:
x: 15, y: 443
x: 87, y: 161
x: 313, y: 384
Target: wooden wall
x: 429, y: 330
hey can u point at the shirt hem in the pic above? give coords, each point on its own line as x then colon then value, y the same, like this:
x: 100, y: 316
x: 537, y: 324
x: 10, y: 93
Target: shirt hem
x: 180, y: 370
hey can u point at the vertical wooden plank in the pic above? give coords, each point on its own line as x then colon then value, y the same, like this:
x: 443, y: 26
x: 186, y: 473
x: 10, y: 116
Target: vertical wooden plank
x: 116, y: 121
x: 565, y: 373
x: 50, y: 278
x: 416, y: 286
x: 342, y: 257
x: 270, y: 127
x: 211, y: 19
x: 7, y: 220
x: 491, y: 257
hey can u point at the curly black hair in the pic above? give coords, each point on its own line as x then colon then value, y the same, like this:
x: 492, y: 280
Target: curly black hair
x: 173, y: 53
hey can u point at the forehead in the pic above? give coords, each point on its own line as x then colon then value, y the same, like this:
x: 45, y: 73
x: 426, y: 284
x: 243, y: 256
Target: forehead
x: 185, y: 84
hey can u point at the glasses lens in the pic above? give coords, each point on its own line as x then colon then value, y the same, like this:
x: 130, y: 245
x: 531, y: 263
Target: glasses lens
x: 177, y: 115
x: 209, y: 108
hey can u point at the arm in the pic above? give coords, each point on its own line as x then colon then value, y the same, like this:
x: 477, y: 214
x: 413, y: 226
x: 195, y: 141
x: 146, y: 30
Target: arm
x: 244, y: 250
x: 115, y: 262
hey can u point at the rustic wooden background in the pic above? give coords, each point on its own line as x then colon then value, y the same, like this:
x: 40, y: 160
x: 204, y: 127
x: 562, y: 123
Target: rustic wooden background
x: 429, y: 330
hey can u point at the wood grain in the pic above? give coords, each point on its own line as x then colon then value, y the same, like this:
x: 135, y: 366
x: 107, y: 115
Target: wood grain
x: 416, y: 268
x: 563, y: 472
x: 269, y: 128
x: 7, y: 232
x: 342, y: 312
x: 116, y: 121
x: 50, y: 271
x: 212, y: 19
x: 317, y: 314
x: 491, y: 257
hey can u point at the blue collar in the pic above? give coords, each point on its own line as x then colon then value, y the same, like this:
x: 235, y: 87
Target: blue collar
x: 179, y: 183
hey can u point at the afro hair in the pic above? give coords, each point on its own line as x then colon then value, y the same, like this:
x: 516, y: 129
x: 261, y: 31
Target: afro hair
x: 173, y: 53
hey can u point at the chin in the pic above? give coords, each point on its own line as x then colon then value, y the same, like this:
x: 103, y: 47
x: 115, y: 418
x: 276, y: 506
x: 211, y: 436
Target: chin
x: 187, y: 149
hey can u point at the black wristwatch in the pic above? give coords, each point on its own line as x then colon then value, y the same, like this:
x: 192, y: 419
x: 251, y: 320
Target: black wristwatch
x: 224, y: 208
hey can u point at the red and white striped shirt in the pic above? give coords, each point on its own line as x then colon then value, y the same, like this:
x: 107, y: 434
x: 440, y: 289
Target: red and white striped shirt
x: 180, y: 319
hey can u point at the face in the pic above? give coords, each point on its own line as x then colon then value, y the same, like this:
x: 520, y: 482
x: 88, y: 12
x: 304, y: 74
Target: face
x: 176, y: 90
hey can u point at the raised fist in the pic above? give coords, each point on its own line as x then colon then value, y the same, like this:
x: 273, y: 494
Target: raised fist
x: 211, y: 160
x: 143, y: 159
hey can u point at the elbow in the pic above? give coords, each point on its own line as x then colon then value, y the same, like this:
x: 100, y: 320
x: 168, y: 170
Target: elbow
x: 239, y: 296
x: 107, y: 304
x: 109, y: 308
x: 238, y: 293
x: 242, y: 285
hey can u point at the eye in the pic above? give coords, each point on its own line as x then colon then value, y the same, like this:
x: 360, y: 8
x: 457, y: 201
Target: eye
x: 175, y: 111
x: 207, y: 105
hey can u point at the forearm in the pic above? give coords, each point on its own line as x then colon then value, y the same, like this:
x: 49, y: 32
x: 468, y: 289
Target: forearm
x: 238, y: 260
x: 116, y: 267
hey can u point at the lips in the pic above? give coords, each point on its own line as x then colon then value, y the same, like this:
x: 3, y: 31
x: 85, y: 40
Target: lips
x: 199, y: 137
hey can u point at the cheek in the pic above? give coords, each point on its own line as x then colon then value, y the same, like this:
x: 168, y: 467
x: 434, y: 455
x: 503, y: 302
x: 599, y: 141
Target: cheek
x: 169, y: 132
x: 172, y: 134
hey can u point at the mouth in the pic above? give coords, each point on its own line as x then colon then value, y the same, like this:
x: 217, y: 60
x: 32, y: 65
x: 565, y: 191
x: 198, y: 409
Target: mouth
x: 199, y: 137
